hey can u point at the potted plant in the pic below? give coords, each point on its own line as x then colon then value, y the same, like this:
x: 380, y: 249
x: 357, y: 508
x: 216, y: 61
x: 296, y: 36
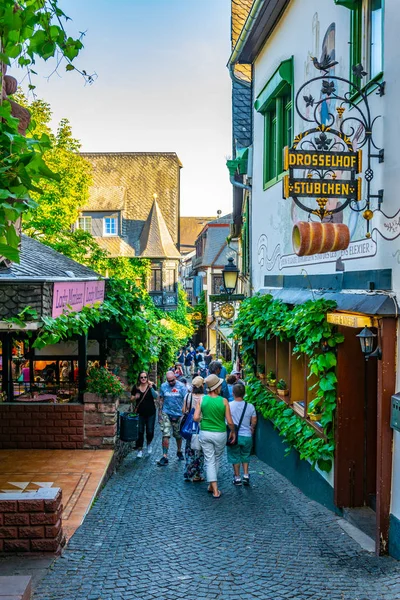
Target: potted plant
x: 271, y: 379
x: 260, y: 370
x: 314, y: 416
x: 103, y: 383
x: 282, y: 388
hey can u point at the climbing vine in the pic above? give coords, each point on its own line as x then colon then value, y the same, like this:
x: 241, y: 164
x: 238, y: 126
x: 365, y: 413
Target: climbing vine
x: 29, y: 29
x: 306, y: 326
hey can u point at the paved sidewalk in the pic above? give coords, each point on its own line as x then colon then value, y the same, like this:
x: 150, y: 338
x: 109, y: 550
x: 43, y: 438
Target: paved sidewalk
x: 150, y: 536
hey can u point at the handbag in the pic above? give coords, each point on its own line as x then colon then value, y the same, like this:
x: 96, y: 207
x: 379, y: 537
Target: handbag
x: 195, y: 442
x: 237, y: 428
x: 185, y: 416
x: 189, y: 425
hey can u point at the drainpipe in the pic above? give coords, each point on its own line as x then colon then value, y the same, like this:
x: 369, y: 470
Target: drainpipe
x: 253, y: 14
x: 242, y: 186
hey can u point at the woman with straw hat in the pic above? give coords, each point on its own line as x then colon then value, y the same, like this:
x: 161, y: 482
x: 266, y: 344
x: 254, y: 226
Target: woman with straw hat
x: 213, y: 413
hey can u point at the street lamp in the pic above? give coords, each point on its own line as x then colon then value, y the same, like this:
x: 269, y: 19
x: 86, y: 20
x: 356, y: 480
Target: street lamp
x: 366, y: 337
x: 230, y: 274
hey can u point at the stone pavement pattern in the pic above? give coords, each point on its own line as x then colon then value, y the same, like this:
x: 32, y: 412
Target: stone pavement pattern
x: 150, y: 536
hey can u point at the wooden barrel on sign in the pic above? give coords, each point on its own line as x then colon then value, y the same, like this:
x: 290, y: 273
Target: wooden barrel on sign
x: 316, y: 238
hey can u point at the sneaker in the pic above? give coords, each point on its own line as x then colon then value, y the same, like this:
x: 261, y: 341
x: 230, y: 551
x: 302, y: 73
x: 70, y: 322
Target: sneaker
x: 179, y: 455
x: 246, y: 479
x: 139, y: 454
x: 237, y: 481
x: 149, y: 449
x: 163, y: 462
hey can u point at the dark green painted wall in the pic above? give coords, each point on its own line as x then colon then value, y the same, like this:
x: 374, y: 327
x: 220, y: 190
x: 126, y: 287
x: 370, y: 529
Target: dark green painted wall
x: 394, y: 537
x: 270, y: 448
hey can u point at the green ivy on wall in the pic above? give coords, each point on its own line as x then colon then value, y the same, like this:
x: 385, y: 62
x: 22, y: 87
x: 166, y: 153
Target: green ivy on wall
x: 306, y: 326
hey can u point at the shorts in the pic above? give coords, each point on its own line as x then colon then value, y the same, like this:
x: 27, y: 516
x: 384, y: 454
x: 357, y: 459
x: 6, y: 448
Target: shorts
x: 168, y: 423
x: 240, y: 453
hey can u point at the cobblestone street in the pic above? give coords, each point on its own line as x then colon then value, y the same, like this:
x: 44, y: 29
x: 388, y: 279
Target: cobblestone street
x: 150, y: 536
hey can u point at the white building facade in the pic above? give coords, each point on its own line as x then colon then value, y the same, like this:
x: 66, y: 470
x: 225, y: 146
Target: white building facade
x: 280, y: 39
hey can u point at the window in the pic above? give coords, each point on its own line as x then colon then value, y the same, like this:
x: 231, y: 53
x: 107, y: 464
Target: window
x: 275, y: 103
x: 110, y: 226
x: 155, y: 284
x: 366, y: 44
x: 169, y: 280
x: 217, y: 284
x: 85, y: 223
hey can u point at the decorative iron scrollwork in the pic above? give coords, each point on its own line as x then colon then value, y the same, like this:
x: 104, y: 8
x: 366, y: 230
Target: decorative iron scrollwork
x: 341, y: 121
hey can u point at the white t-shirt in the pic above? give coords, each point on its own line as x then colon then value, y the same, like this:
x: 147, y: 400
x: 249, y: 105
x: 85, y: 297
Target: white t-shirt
x: 236, y: 411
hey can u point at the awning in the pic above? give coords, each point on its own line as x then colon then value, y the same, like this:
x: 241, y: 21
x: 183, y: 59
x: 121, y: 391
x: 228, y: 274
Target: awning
x: 372, y: 303
x: 225, y: 332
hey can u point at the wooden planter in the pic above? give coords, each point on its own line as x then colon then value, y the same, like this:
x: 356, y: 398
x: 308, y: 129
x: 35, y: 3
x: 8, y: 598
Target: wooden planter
x: 283, y: 392
x: 316, y: 238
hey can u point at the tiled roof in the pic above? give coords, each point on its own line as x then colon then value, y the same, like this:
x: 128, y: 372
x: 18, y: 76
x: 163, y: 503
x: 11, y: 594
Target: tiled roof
x: 240, y: 10
x: 39, y: 262
x: 156, y: 241
x: 215, y: 242
x: 190, y: 229
x: 106, y: 198
x: 116, y: 246
x: 141, y: 174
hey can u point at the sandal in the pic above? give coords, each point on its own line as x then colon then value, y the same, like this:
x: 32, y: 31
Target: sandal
x: 218, y: 495
x: 209, y: 490
x: 197, y: 479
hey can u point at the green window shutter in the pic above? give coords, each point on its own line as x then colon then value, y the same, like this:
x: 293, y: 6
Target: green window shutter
x: 355, y: 40
x: 282, y: 77
x: 348, y: 3
x: 275, y: 102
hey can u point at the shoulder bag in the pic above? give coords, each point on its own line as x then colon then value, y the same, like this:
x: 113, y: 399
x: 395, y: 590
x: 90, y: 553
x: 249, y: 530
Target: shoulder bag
x: 188, y: 425
x: 237, y: 428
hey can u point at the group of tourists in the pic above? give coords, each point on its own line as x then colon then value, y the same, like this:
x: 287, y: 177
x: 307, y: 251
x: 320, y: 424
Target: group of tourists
x: 192, y: 361
x: 225, y: 420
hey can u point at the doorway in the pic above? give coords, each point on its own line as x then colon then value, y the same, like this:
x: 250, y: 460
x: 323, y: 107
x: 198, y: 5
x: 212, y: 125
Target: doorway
x: 356, y: 433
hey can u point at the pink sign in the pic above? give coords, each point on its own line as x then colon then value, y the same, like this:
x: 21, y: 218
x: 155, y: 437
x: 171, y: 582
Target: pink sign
x: 73, y: 296
x: 94, y: 292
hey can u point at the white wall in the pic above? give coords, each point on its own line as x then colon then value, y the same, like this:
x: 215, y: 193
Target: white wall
x: 300, y: 34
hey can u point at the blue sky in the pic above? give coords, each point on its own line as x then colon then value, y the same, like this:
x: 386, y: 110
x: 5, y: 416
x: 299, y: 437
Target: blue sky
x: 162, y: 86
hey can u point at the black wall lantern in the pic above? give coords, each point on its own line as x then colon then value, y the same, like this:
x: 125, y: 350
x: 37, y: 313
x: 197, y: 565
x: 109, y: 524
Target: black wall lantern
x: 230, y: 274
x: 366, y: 337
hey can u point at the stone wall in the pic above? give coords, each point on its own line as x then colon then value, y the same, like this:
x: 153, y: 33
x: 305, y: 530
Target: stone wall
x: 41, y: 426
x: 100, y: 430
x: 32, y: 522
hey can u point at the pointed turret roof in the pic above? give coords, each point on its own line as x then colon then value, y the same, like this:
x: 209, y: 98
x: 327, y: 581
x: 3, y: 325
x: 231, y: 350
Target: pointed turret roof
x: 156, y: 240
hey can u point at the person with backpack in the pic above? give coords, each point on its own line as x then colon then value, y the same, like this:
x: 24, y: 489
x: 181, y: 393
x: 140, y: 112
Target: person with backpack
x: 245, y: 418
x: 194, y: 465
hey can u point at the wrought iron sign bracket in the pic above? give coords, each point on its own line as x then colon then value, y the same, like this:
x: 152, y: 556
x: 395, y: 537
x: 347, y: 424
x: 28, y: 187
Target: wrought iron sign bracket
x: 324, y: 160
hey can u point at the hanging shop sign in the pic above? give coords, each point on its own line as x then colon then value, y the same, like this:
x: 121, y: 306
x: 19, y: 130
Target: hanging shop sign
x: 73, y: 296
x: 227, y: 311
x: 323, y: 163
x: 349, y: 320
x: 196, y: 316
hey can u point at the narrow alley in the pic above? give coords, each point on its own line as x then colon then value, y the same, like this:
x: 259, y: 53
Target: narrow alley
x: 151, y: 536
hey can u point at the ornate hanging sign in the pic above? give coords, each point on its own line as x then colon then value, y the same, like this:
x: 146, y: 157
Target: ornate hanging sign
x: 227, y: 311
x: 324, y: 161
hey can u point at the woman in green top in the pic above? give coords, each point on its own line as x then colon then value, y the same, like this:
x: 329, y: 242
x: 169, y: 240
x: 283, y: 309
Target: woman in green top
x: 213, y: 413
